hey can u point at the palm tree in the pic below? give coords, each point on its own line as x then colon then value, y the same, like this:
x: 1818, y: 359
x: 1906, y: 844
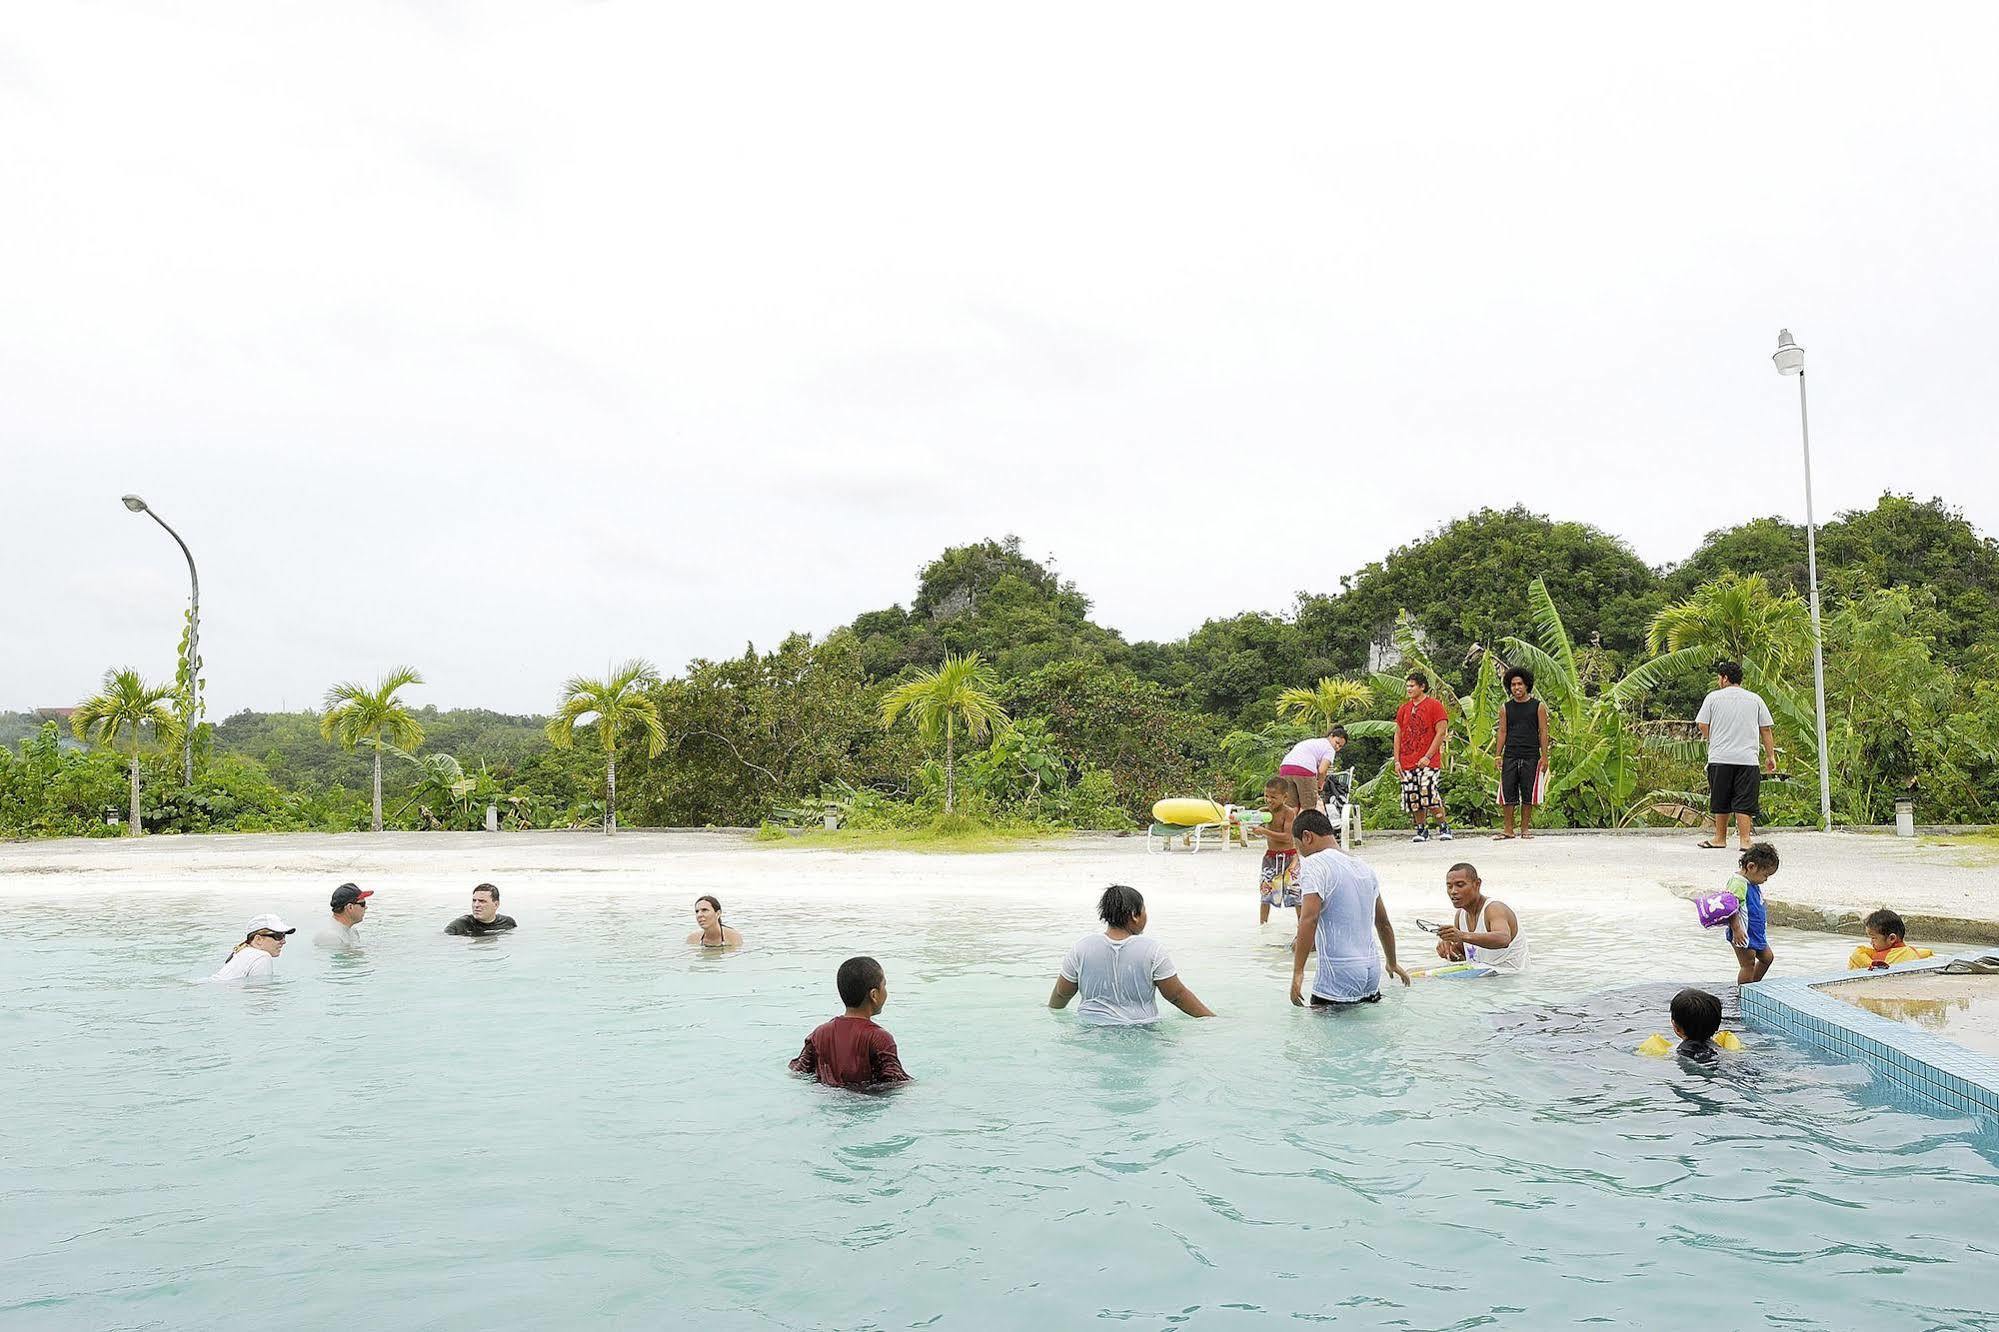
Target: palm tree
x: 116, y: 716
x: 1597, y: 745
x: 356, y: 715
x: 1739, y: 617
x: 1325, y: 702
x: 615, y: 702
x: 958, y: 693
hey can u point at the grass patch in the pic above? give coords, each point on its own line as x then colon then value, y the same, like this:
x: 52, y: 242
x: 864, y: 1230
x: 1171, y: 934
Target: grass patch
x: 945, y: 834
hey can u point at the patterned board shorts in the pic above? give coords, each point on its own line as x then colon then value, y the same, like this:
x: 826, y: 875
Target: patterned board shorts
x: 1421, y: 790
x: 1278, y: 880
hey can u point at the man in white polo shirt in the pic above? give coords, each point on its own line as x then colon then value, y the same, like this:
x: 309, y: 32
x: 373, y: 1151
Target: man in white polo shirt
x: 1342, y: 915
x: 1738, y: 726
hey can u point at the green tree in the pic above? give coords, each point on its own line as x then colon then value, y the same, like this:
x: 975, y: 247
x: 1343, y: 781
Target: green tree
x: 1465, y: 585
x: 958, y: 693
x: 1738, y: 617
x: 356, y: 715
x: 1325, y: 702
x: 613, y: 703
x: 116, y: 717
x: 1132, y: 730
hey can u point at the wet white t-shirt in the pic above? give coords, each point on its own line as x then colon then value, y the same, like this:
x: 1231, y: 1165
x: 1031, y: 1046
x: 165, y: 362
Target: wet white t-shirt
x: 1116, y: 979
x: 247, y: 965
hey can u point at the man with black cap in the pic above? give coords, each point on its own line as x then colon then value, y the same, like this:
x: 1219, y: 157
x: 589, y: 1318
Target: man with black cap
x: 350, y: 908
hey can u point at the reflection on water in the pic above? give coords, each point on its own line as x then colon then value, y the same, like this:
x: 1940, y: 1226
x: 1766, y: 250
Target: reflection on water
x: 584, y: 1121
x: 1961, y: 1008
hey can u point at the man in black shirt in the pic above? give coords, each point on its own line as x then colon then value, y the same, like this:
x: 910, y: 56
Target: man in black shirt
x: 1523, y: 743
x: 485, y: 917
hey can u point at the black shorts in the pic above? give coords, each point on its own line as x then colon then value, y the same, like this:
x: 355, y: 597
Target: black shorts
x: 1517, y: 778
x: 1317, y: 1002
x: 1732, y: 788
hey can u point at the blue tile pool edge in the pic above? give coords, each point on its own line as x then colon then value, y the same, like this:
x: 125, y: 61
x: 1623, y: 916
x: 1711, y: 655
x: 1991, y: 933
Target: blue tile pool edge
x: 1939, y: 1072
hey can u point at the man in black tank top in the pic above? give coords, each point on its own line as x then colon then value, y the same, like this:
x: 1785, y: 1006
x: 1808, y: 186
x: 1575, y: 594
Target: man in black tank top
x: 1523, y: 742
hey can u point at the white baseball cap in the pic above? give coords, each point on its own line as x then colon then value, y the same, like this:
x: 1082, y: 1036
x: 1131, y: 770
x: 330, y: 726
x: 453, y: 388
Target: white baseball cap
x: 271, y: 923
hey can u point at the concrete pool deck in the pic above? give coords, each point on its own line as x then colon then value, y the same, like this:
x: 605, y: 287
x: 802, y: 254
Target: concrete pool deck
x: 1947, y: 889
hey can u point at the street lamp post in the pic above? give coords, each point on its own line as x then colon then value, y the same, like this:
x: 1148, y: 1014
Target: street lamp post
x: 137, y: 505
x: 1790, y: 360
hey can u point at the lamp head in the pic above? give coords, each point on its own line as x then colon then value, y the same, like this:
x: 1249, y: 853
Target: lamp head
x: 135, y: 504
x: 1790, y: 357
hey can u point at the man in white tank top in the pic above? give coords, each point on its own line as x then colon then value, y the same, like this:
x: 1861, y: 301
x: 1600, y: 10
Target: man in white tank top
x: 1485, y: 932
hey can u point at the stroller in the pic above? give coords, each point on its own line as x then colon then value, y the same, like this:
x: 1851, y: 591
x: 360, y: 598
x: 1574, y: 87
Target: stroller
x: 1336, y: 793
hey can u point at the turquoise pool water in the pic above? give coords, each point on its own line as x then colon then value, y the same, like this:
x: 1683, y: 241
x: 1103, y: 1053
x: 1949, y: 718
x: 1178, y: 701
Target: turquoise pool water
x: 586, y: 1124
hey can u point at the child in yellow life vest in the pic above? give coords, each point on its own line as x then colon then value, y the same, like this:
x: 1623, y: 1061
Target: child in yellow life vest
x: 1885, y: 947
x: 1697, y: 1022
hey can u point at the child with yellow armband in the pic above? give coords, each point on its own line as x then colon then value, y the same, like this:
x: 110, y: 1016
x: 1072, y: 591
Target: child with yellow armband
x: 1697, y: 1022
x: 1885, y: 945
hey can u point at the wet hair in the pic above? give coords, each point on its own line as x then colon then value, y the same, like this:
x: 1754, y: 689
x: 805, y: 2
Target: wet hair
x: 1420, y: 680
x: 1120, y: 906
x: 1312, y: 823
x: 1467, y: 867
x: 712, y: 901
x: 1519, y: 673
x: 1887, y: 923
x: 1760, y: 854
x: 1730, y: 671
x: 1336, y: 733
x: 1697, y: 1014
x: 857, y: 978
x: 488, y: 888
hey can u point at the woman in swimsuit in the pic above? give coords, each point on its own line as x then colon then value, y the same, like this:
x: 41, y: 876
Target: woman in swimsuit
x: 713, y: 933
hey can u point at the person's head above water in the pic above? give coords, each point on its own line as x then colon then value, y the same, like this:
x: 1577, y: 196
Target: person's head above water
x: 485, y: 903
x: 1885, y: 929
x: 1122, y: 908
x: 1313, y: 831
x: 350, y: 903
x: 863, y: 985
x: 267, y: 933
x: 1462, y: 885
x: 1519, y: 683
x: 708, y: 911
x: 1696, y: 1015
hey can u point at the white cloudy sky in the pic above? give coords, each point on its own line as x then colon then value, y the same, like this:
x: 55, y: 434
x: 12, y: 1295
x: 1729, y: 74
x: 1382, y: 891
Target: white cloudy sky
x: 508, y: 340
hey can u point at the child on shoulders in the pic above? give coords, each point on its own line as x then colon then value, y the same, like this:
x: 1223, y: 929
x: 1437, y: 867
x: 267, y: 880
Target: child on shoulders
x: 1885, y: 944
x: 850, y: 1050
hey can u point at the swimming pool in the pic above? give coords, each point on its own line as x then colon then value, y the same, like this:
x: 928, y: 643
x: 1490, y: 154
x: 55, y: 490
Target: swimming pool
x: 586, y: 1123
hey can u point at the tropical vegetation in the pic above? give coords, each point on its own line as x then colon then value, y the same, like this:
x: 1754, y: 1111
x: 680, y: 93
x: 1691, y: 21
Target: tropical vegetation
x: 992, y: 694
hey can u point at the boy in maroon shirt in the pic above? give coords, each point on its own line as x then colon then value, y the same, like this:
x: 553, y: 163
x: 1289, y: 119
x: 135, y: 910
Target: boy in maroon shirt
x: 851, y: 1051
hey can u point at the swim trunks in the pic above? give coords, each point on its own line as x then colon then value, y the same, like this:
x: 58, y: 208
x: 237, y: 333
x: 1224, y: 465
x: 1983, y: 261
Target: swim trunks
x: 1278, y: 879
x: 1421, y: 790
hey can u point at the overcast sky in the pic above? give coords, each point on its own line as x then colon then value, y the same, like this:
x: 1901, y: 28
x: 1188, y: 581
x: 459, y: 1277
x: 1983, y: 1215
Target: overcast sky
x: 507, y: 341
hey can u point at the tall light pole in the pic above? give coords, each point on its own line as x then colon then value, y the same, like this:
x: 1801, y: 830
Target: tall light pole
x: 1790, y: 360
x: 193, y: 661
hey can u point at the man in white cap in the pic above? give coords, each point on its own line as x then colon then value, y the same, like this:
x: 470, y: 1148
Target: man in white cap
x: 256, y: 957
x: 350, y: 908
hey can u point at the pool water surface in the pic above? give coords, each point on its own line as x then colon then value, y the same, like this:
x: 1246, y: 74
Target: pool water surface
x: 585, y: 1122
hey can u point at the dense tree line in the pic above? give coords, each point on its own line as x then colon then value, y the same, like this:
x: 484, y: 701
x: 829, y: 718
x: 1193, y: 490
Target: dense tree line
x: 1100, y: 726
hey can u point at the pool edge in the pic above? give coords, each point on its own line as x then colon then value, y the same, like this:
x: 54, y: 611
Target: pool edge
x: 1941, y: 1073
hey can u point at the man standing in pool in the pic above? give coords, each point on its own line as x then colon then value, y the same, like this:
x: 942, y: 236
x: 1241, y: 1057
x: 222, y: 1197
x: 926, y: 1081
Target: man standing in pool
x: 485, y: 917
x: 1342, y: 903
x: 350, y: 908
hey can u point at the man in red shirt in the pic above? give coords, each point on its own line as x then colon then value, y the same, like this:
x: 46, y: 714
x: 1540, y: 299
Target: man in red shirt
x: 1420, y: 728
x: 850, y: 1050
